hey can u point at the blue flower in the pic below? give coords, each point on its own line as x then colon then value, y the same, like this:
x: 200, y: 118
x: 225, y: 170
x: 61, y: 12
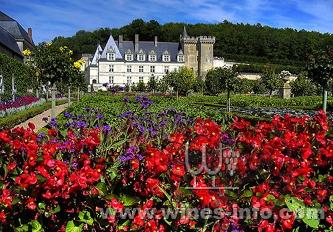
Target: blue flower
x: 53, y: 122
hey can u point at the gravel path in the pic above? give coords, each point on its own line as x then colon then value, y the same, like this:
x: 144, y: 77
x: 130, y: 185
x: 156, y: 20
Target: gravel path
x: 38, y: 119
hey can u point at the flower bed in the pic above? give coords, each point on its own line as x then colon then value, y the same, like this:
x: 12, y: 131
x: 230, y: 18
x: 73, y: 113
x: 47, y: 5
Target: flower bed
x: 21, y: 103
x: 146, y: 173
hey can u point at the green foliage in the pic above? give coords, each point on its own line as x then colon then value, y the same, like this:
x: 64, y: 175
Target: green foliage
x: 152, y: 84
x: 302, y: 86
x: 238, y: 42
x: 55, y: 65
x: 181, y: 81
x: 141, y: 87
x: 221, y: 79
x: 308, y: 215
x: 246, y: 86
x: 271, y: 81
x: 320, y: 67
x: 260, y: 68
x: 22, y: 73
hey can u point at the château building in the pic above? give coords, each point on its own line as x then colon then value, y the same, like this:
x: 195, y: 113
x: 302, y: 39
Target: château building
x: 123, y: 62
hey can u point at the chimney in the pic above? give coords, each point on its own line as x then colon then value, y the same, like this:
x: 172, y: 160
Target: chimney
x: 155, y: 42
x: 30, y: 32
x: 136, y: 44
x: 120, y: 41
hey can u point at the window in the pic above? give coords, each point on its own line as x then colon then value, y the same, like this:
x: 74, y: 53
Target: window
x: 152, y: 69
x: 140, y: 79
x: 129, y: 68
x: 111, y: 68
x: 111, y: 79
x: 166, y: 69
x: 152, y: 58
x: 129, y: 80
x: 129, y: 57
x: 141, y: 57
x: 166, y: 58
x: 141, y: 68
x: 180, y: 58
x: 111, y: 56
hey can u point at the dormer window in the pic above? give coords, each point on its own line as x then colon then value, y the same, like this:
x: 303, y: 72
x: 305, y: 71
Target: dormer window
x: 180, y: 58
x: 152, y: 56
x: 166, y: 56
x: 128, y: 55
x: 111, y: 56
x: 141, y: 55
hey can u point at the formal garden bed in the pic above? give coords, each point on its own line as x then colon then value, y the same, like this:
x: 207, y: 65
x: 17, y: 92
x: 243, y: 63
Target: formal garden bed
x: 118, y: 163
x: 16, y: 118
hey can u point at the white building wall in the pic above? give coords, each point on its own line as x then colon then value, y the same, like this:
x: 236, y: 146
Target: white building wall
x: 120, y: 73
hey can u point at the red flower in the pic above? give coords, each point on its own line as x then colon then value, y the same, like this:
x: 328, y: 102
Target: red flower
x: 25, y: 180
x: 2, y: 217
x: 6, y: 197
x: 31, y: 203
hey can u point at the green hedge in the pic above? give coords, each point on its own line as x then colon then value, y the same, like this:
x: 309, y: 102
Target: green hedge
x: 260, y: 68
x: 22, y: 73
x: 19, y: 117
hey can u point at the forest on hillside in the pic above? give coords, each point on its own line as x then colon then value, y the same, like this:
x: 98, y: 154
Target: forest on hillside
x: 235, y: 42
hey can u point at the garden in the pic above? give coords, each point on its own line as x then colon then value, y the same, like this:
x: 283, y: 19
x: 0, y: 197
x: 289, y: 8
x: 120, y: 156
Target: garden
x: 131, y: 162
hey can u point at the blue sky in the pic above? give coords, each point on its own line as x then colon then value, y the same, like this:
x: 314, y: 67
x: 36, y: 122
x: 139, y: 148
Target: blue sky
x: 50, y: 18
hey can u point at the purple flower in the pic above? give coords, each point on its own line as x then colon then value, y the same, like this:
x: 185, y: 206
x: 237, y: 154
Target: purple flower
x: 45, y: 119
x: 99, y: 116
x: 126, y: 99
x: 67, y: 115
x: 81, y: 124
x: 106, y: 129
x: 53, y: 122
x: 144, y: 101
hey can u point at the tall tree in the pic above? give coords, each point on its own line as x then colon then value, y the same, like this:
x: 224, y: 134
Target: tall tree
x: 271, y: 81
x: 320, y: 69
x: 182, y: 80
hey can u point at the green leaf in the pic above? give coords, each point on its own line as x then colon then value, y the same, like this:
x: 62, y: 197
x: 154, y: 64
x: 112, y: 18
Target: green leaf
x: 36, y: 226
x: 294, y: 203
x: 308, y: 215
x: 70, y: 227
x: 331, y: 202
x: 122, y: 226
x: 102, y: 188
x: 128, y: 200
x: 85, y: 217
x: 41, y: 205
x: 247, y: 193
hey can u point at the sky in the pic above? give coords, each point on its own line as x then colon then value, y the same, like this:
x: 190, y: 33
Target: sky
x: 51, y: 18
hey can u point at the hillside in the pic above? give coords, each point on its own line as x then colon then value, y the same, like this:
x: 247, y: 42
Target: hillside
x: 237, y: 42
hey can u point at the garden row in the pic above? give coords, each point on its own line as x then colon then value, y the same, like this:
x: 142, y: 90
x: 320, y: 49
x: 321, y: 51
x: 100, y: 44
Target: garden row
x: 16, y: 118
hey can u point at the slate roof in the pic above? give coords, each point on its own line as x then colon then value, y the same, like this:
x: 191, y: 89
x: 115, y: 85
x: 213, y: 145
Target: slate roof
x: 14, y: 28
x: 147, y: 46
x: 7, y: 40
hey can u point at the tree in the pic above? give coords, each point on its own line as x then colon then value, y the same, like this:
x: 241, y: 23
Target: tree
x: 271, y: 80
x: 55, y: 65
x: 152, y: 84
x: 320, y: 69
x: 213, y: 82
x: 182, y: 80
x: 229, y: 80
x: 141, y: 87
x: 302, y: 86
